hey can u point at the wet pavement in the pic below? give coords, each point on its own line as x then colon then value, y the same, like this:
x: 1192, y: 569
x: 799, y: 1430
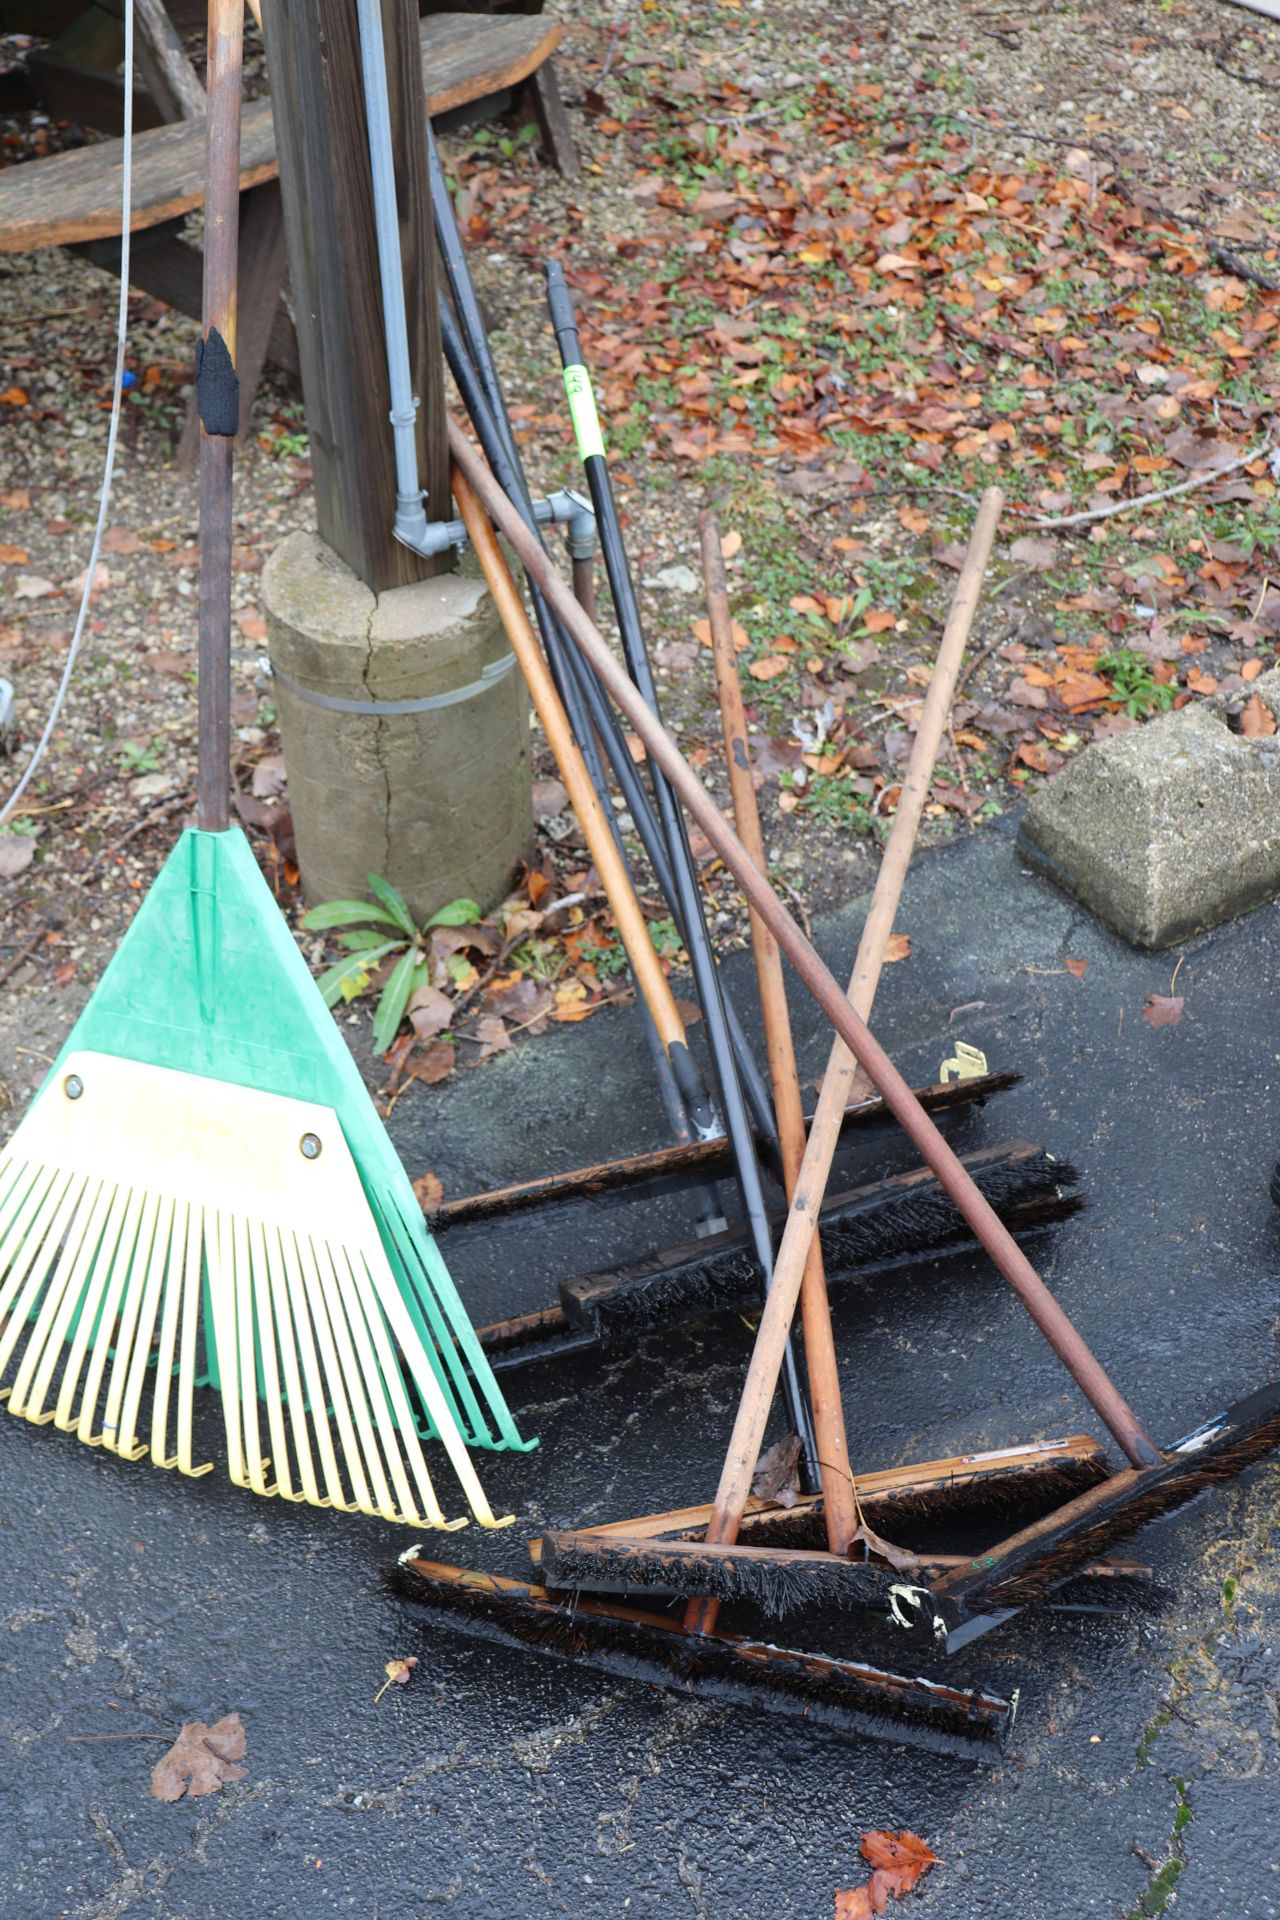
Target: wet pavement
x: 1144, y: 1763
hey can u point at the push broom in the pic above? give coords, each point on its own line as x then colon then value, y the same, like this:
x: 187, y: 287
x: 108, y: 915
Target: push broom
x: 1157, y: 1480
x: 202, y: 1191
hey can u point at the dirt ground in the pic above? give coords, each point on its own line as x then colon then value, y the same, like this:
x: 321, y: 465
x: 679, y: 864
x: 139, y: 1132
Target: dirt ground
x: 837, y: 270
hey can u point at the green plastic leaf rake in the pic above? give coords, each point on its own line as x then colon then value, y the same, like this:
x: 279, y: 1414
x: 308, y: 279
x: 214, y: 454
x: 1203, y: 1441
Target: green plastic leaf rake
x: 202, y: 1193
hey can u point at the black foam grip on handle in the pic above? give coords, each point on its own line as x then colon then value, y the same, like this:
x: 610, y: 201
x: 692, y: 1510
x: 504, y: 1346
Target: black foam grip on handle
x: 563, y: 318
x: 217, y: 387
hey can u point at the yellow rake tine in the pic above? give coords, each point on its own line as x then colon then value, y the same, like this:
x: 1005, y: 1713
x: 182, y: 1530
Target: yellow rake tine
x: 378, y: 1315
x: 266, y: 1341
x: 334, y: 1392
x: 121, y: 1419
x: 380, y: 1410
x: 287, y: 1337
x: 60, y: 1302
x: 380, y: 1282
x: 166, y: 1346
x: 181, y: 1318
x: 124, y: 1329
x: 97, y: 1311
x: 314, y: 1384
x: 384, y: 1507
x: 247, y: 1351
x: 23, y: 1204
x: 48, y: 1224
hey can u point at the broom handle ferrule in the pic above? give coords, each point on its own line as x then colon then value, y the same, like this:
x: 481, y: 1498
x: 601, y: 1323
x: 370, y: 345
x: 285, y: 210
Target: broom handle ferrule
x: 218, y: 404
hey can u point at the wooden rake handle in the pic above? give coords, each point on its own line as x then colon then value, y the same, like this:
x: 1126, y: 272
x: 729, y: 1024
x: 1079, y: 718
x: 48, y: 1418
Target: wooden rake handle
x: 218, y: 404
x: 609, y: 864
x: 1004, y: 1250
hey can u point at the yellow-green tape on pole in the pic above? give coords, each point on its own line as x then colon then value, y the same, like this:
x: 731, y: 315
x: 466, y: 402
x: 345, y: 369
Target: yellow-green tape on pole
x: 582, y: 411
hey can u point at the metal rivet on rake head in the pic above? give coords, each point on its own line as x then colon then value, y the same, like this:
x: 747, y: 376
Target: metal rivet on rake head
x: 73, y: 1086
x: 310, y: 1145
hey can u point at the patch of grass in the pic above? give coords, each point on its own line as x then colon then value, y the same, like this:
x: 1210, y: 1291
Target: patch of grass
x: 1162, y: 1886
x: 1150, y: 1734
x: 1134, y: 684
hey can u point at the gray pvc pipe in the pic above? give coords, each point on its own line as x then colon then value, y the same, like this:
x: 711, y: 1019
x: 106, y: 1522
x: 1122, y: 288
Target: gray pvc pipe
x: 411, y: 521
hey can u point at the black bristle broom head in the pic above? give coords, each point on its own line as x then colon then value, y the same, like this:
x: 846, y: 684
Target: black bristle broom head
x: 779, y: 1581
x: 1034, y: 1484
x: 1022, y: 1569
x: 890, y: 1221
x: 844, y: 1695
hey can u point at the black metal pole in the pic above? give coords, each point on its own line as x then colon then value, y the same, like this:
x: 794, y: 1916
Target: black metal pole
x: 470, y: 360
x: 626, y: 608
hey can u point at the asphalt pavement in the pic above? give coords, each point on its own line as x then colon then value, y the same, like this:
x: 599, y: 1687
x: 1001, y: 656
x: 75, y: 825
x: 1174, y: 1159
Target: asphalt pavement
x: 1143, y: 1770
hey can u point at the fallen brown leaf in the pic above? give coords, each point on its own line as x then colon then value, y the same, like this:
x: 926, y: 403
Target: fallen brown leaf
x: 523, y: 1001
x: 433, y: 1064
x: 702, y: 630
x: 430, y: 1012
x: 730, y: 543
x: 429, y: 1188
x: 269, y: 776
x: 491, y: 1032
x: 101, y: 580
x: 17, y: 851
x: 399, y: 1673
x: 121, y: 540
x: 777, y: 1474
x: 1257, y: 718
x: 897, y: 947
x: 549, y: 799
x: 177, y: 665
x: 1162, y: 1009
x: 1034, y: 551
x: 201, y: 1760
x: 13, y: 556
x: 1076, y: 967
x: 900, y: 1860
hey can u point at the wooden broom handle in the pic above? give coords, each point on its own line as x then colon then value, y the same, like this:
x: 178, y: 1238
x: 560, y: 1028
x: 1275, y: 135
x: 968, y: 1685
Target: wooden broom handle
x: 800, y: 1238
x: 609, y: 864
x: 839, y: 1507
x: 987, y: 1226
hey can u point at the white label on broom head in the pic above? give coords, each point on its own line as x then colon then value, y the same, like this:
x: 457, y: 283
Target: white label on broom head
x: 582, y: 410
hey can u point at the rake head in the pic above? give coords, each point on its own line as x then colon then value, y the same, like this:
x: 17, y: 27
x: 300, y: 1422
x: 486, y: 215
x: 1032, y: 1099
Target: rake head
x: 202, y: 1194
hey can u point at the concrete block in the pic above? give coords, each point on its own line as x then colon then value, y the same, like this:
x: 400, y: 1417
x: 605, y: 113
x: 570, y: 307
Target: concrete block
x: 1169, y: 829
x: 405, y: 725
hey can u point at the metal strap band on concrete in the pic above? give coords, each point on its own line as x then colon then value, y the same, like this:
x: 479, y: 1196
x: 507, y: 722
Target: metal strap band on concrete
x: 489, y: 677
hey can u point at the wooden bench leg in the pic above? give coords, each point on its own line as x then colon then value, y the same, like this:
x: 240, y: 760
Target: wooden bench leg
x: 542, y: 91
x: 261, y: 283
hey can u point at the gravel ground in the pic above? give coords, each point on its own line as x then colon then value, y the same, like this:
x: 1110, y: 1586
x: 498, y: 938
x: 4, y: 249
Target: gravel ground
x: 1180, y: 98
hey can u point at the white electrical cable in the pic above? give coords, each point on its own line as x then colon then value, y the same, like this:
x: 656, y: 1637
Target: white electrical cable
x: 112, y: 432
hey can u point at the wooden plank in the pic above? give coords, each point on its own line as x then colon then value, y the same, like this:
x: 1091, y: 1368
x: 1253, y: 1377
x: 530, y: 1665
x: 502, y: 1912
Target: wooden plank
x: 76, y: 196
x: 164, y: 265
x: 172, y: 81
x: 553, y: 121
x: 314, y: 58
x: 72, y: 90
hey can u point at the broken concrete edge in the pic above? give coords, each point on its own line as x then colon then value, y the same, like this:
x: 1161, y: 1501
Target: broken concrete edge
x: 436, y: 800
x: 1169, y: 829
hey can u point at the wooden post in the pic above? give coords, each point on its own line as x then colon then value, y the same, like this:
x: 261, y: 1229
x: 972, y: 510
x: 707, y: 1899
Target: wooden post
x: 317, y: 100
